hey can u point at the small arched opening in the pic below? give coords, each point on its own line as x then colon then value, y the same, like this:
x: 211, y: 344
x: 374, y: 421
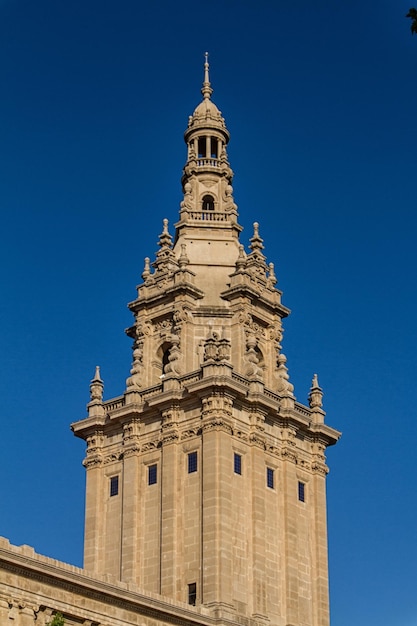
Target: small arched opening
x: 207, y: 203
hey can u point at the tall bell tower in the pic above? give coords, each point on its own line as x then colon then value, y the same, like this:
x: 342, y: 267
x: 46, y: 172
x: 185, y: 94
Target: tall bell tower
x: 206, y: 478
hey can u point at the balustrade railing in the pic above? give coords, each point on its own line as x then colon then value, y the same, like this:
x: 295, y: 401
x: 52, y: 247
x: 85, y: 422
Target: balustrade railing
x: 208, y: 216
x: 208, y: 162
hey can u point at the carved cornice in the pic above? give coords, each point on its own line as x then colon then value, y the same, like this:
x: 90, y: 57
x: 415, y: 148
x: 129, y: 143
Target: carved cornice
x: 257, y: 439
x: 217, y: 423
x: 94, y: 461
x: 319, y: 468
x: 288, y: 454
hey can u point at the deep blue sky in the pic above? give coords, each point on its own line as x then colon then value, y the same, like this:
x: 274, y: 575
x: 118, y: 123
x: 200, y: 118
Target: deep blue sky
x: 321, y: 101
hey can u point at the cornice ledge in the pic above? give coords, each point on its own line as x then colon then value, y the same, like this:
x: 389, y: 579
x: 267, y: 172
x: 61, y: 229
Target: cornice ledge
x: 165, y: 398
x: 181, y: 287
x: 88, y: 423
x: 216, y: 382
x: 269, y: 303
x: 329, y: 435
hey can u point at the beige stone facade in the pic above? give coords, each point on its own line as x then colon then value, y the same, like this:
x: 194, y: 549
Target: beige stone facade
x: 205, y: 478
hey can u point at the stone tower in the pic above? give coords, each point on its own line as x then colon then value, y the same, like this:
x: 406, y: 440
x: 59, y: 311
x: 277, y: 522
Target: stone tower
x: 206, y: 478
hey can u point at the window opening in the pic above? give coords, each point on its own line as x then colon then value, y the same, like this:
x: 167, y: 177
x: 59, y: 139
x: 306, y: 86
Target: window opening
x: 213, y: 145
x: 270, y: 477
x: 301, y: 491
x: 192, y: 593
x: 165, y: 360
x: 152, y: 474
x: 202, y: 148
x: 237, y: 462
x: 114, y: 485
x: 208, y: 203
x: 192, y: 462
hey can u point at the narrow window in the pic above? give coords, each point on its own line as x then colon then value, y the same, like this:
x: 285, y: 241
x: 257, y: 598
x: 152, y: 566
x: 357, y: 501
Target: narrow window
x: 192, y: 462
x: 213, y: 151
x: 237, y: 464
x: 165, y: 360
x: 192, y: 593
x: 202, y: 148
x: 152, y: 474
x: 208, y: 203
x: 301, y: 491
x: 114, y: 485
x: 270, y: 477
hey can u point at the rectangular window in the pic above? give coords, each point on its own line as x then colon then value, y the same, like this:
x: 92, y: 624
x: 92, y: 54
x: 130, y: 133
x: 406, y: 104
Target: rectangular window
x: 301, y: 491
x: 152, y: 474
x: 192, y: 462
x: 270, y: 477
x: 192, y: 593
x: 202, y: 148
x: 114, y: 485
x: 237, y: 463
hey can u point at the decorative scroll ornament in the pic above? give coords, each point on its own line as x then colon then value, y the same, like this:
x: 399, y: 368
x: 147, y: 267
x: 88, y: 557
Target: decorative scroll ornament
x: 251, y: 357
x: 283, y: 380
x: 174, y: 357
x: 137, y: 366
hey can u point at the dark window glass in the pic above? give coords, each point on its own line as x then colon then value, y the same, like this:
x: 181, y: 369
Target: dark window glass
x: 152, y: 474
x: 213, y: 150
x: 192, y: 593
x: 202, y: 148
x: 192, y: 462
x: 165, y: 360
x: 237, y: 463
x: 114, y: 485
x: 301, y: 492
x: 208, y: 203
x: 270, y: 477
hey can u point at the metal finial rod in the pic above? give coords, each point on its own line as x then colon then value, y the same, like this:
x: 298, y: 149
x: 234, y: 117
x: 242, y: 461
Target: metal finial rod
x: 206, y: 90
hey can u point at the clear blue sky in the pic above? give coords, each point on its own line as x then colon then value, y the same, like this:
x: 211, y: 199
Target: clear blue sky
x: 321, y: 102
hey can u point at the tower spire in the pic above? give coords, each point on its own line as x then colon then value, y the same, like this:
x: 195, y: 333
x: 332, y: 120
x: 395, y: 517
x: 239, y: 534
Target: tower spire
x: 206, y: 89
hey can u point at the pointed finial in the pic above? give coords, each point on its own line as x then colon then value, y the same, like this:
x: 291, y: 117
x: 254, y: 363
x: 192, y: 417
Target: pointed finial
x: 206, y: 90
x: 256, y: 243
x: 97, y: 376
x: 96, y: 387
x: 315, y: 397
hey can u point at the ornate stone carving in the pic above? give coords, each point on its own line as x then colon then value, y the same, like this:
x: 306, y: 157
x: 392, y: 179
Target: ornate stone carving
x: 163, y: 327
x: 174, y: 358
x: 169, y: 424
x: 216, y: 349
x: 165, y: 262
x: 131, y: 438
x: 150, y: 445
x: 315, y: 397
x: 283, y: 386
x: 289, y: 455
x: 218, y: 403
x: 113, y: 457
x: 96, y: 387
x: 252, y: 369
x: 319, y: 468
x: 257, y: 439
x: 137, y: 366
x: 190, y: 433
x: 217, y: 423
